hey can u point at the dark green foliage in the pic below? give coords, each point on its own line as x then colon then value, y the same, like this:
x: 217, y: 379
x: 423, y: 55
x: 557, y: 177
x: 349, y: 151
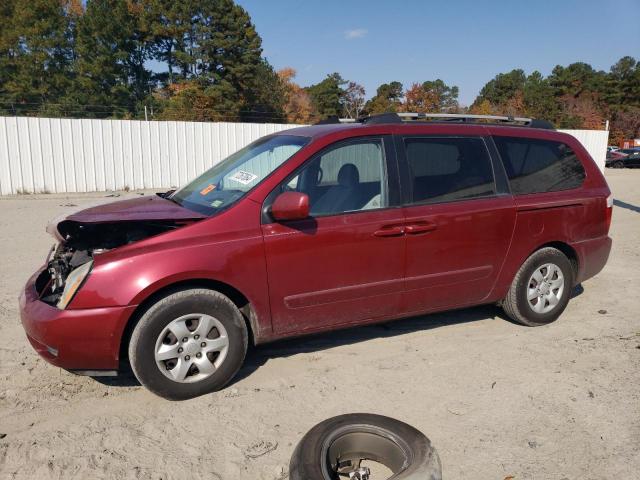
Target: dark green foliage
x: 36, y: 55
x: 327, y: 96
x: 110, y: 51
x: 575, y: 96
x: 447, y: 96
x: 503, y: 87
x: 91, y: 59
x: 388, y: 99
x: 202, y: 60
x: 622, y: 85
x: 266, y: 96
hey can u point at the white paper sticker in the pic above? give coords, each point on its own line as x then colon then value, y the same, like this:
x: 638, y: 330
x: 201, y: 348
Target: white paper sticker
x: 245, y: 178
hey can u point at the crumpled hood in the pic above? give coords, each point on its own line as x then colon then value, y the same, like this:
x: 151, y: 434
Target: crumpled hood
x: 140, y: 209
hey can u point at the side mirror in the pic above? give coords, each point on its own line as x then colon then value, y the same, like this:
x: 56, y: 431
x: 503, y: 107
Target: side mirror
x: 290, y: 206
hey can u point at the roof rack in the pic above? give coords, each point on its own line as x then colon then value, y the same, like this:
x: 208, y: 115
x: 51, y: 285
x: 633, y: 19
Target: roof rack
x: 444, y: 117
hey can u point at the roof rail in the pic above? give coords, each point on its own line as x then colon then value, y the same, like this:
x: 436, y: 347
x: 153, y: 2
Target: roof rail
x: 456, y: 117
x: 444, y: 117
x: 333, y: 119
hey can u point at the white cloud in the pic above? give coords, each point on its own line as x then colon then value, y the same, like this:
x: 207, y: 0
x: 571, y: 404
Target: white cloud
x: 355, y: 33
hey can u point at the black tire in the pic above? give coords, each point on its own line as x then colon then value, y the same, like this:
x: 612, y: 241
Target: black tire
x: 618, y: 164
x: 516, y: 304
x: 346, y: 439
x: 152, y: 323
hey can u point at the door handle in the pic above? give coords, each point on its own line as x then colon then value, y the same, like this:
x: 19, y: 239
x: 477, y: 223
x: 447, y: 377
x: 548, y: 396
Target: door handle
x: 396, y: 231
x: 420, y: 228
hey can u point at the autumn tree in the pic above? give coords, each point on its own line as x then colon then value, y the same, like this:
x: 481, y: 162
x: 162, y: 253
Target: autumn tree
x: 298, y: 107
x: 193, y: 100
x: 482, y: 107
x: 420, y: 100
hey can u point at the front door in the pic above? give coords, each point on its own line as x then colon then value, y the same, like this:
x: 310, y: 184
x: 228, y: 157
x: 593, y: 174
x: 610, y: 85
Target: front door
x: 344, y: 264
x: 458, y: 223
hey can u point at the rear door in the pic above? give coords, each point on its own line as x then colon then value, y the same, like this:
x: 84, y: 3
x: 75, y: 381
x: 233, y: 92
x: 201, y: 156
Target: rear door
x: 459, y: 220
x: 344, y: 264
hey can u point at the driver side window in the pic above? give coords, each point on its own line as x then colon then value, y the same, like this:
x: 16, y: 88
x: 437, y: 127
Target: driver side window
x: 350, y: 177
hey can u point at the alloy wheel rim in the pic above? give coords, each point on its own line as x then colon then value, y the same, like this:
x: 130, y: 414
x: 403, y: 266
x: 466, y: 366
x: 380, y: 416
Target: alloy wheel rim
x: 545, y: 288
x: 191, y: 348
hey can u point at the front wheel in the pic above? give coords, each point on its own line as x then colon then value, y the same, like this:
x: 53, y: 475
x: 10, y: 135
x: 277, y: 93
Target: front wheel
x: 541, y: 289
x: 187, y: 344
x: 618, y: 164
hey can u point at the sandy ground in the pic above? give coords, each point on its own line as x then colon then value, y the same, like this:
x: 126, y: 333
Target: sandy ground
x: 497, y: 400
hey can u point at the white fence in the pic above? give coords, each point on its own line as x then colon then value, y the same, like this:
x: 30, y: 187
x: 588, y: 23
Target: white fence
x: 63, y: 155
x: 595, y: 141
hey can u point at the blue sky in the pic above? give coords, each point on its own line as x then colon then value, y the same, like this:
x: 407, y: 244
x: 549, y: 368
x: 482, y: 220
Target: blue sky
x: 463, y: 42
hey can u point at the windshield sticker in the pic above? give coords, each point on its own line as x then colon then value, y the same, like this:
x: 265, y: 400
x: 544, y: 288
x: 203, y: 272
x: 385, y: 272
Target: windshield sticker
x: 207, y: 189
x: 216, y: 203
x: 245, y: 178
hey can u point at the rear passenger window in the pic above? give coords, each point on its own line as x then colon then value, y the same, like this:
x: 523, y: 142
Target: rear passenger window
x: 447, y: 169
x: 536, y: 166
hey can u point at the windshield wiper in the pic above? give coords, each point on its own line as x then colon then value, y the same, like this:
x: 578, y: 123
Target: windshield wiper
x: 169, y: 197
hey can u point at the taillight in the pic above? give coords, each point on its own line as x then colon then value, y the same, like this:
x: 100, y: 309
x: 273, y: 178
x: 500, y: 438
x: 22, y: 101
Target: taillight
x: 609, y: 212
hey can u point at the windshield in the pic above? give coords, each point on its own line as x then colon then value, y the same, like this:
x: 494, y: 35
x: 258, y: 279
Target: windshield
x: 233, y: 177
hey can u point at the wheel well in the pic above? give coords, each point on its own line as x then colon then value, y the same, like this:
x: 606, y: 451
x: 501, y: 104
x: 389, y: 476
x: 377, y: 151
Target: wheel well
x: 568, y: 251
x: 232, y: 293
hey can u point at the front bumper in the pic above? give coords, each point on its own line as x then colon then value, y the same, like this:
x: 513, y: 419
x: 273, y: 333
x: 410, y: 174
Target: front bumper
x: 84, y: 339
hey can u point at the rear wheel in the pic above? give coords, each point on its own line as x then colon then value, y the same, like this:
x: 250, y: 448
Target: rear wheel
x: 187, y: 344
x: 541, y: 289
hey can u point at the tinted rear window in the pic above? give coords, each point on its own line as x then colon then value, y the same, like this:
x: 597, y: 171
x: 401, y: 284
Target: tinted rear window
x: 535, y: 166
x: 447, y: 169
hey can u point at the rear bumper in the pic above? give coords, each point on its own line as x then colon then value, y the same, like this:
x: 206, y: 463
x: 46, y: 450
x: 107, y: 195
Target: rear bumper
x: 592, y: 257
x: 86, y: 339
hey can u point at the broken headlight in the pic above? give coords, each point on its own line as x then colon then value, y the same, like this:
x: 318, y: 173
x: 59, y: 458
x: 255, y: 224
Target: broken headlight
x: 73, y: 283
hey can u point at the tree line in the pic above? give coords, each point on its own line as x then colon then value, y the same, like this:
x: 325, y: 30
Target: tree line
x: 202, y: 60
x: 575, y: 96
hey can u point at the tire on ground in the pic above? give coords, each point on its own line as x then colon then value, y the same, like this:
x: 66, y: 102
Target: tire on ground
x: 516, y: 304
x: 398, y: 446
x: 183, y: 302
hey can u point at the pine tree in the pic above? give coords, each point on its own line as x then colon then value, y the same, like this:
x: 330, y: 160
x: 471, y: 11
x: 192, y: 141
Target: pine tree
x: 388, y: 98
x: 327, y: 96
x: 36, y: 50
x: 171, y: 25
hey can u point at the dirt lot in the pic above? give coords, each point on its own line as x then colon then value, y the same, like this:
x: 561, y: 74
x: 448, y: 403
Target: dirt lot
x: 497, y: 399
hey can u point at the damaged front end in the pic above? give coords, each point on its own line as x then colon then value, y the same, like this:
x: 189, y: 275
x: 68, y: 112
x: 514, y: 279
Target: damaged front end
x: 69, y: 262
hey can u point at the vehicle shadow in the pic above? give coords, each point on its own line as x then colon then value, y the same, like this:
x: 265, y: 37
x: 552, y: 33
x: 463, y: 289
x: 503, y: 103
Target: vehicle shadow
x: 628, y: 206
x: 259, y: 355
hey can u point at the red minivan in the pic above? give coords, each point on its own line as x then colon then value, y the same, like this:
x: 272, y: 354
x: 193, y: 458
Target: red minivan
x: 319, y: 228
